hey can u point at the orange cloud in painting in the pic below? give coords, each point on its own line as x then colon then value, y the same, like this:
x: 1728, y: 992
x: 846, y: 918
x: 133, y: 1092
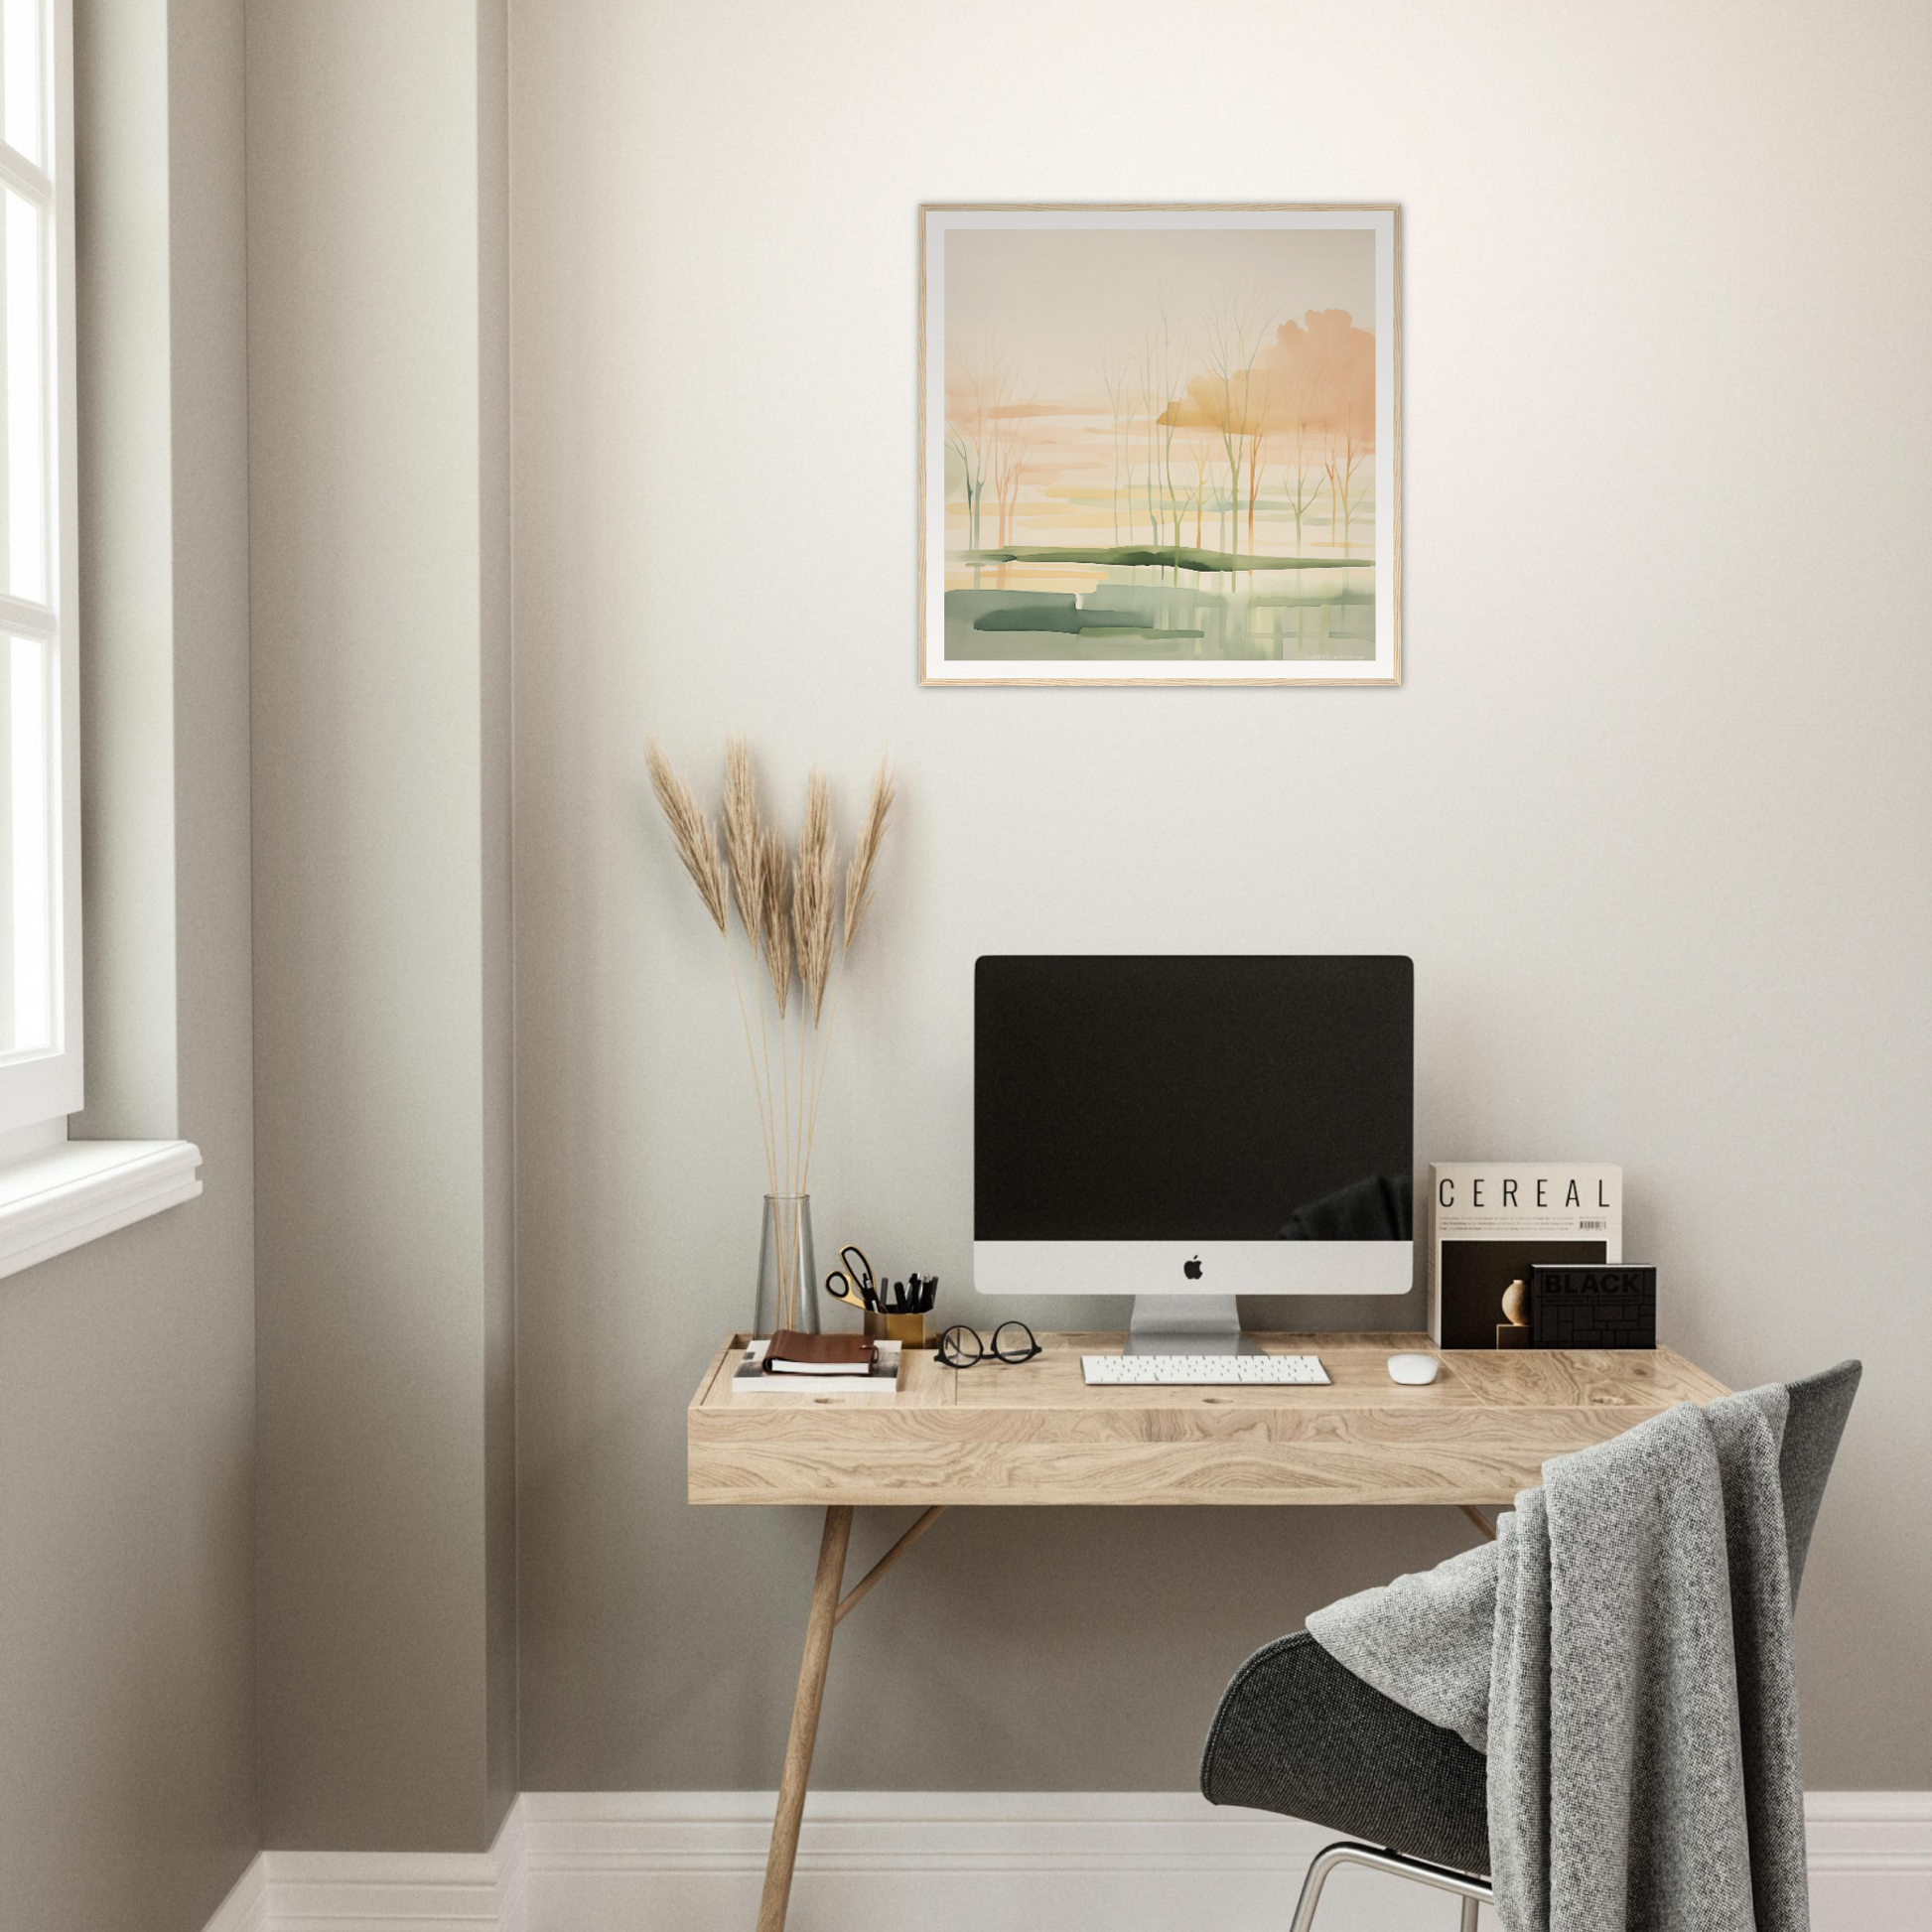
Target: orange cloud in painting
x: 1312, y: 389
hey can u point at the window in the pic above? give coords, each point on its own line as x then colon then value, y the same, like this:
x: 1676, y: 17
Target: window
x: 55, y: 1193
x: 40, y: 846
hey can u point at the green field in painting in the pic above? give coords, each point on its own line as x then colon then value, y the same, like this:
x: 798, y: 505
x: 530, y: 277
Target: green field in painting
x: 1163, y: 622
x: 1141, y: 555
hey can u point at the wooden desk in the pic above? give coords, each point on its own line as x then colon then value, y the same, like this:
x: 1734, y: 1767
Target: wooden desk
x: 1032, y: 1434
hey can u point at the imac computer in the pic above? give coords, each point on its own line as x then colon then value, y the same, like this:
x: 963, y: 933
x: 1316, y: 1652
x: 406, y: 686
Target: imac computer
x: 1185, y: 1129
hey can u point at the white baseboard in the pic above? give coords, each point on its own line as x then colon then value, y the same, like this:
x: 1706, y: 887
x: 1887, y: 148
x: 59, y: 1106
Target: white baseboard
x: 384, y: 1891
x: 954, y: 1862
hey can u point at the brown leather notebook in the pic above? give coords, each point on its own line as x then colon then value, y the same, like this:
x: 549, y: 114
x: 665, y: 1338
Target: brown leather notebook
x: 793, y: 1354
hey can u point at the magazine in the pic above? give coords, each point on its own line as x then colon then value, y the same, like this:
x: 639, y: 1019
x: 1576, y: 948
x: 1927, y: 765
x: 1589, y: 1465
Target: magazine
x: 1490, y: 1220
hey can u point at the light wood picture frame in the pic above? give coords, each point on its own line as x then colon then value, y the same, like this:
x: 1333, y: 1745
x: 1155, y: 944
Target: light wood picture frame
x: 1160, y: 443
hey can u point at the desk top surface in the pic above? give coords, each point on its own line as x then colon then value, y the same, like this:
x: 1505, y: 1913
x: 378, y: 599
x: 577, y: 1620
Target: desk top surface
x: 1034, y: 1433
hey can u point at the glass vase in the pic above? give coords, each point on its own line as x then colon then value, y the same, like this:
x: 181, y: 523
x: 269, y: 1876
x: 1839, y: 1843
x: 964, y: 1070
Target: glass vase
x: 788, y: 1272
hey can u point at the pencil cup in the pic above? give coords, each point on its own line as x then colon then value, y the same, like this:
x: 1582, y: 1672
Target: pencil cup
x: 906, y: 1329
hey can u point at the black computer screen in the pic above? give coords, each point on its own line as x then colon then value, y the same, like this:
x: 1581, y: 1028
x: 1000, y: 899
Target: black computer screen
x: 1206, y: 1098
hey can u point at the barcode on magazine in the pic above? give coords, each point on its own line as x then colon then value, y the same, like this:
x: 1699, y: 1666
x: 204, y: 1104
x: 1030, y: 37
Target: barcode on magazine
x: 1599, y: 1225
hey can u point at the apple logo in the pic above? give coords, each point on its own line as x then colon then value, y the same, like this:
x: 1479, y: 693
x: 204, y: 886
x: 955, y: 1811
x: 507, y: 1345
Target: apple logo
x: 1191, y: 1269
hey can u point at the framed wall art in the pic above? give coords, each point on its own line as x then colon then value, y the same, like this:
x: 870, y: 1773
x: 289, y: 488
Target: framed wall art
x: 1158, y: 445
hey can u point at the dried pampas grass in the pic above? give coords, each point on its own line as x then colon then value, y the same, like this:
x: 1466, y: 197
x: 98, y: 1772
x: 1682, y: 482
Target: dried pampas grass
x: 814, y: 895
x: 865, y: 852
x: 743, y: 846
x: 691, y: 832
x: 774, y: 917
x: 788, y: 909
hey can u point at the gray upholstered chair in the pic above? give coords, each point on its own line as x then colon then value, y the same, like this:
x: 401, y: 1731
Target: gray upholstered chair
x: 1299, y: 1734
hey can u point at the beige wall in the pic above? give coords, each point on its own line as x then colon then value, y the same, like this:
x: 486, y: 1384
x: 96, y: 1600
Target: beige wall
x: 378, y: 507
x: 127, y: 1775
x: 1651, y: 811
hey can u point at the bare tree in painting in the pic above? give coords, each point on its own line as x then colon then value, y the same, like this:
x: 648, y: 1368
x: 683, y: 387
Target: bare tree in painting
x: 1173, y: 372
x: 1351, y: 434
x: 1114, y: 379
x: 1235, y: 330
x: 1148, y: 375
x: 1341, y: 359
x: 972, y: 384
x: 1300, y: 489
x: 1160, y: 363
x: 1149, y: 418
x: 1257, y: 398
x: 967, y: 451
x: 993, y: 417
x: 1301, y: 415
x: 1323, y: 370
x: 1012, y: 449
x: 1203, y: 450
x: 1231, y: 399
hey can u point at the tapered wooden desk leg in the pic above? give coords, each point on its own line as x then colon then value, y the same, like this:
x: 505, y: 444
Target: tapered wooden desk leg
x: 804, y: 1718
x: 1478, y: 1519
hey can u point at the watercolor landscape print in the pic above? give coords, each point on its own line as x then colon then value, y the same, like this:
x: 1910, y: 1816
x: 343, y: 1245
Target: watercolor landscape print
x: 1159, y: 446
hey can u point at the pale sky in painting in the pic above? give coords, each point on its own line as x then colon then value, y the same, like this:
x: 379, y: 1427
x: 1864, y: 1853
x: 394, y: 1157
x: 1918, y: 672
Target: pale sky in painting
x: 1063, y: 297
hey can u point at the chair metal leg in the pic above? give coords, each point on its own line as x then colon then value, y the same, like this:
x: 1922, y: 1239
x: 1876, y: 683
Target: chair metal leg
x: 1472, y: 1891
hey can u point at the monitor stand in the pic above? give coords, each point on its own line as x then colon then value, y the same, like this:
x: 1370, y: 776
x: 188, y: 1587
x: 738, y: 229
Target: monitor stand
x: 1187, y: 1324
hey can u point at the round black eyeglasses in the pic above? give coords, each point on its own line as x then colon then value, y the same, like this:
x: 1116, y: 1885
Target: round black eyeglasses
x: 1013, y: 1341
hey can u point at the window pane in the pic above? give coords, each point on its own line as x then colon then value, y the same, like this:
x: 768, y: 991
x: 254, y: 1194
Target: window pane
x: 27, y: 848
x: 20, y: 57
x: 25, y: 524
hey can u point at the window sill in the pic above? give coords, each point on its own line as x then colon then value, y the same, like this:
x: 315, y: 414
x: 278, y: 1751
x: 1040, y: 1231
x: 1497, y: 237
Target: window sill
x: 78, y: 1191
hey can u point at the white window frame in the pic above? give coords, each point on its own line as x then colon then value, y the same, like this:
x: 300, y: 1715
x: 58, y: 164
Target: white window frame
x: 55, y: 1192
x: 38, y: 1090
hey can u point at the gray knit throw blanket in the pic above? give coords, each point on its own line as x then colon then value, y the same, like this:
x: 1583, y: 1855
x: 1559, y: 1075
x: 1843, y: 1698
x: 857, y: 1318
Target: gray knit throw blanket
x: 1622, y: 1652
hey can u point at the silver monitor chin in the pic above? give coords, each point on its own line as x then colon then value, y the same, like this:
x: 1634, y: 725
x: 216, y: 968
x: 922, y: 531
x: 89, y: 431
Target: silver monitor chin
x: 1183, y: 1296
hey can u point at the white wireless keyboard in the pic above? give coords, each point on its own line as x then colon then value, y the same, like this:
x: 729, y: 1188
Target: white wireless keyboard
x: 1201, y: 1371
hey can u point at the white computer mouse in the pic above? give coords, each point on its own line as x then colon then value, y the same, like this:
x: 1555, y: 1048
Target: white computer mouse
x: 1414, y: 1369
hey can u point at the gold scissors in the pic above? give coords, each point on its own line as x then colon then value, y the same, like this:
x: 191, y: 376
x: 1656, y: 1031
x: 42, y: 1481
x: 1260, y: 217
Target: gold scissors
x: 852, y: 1282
